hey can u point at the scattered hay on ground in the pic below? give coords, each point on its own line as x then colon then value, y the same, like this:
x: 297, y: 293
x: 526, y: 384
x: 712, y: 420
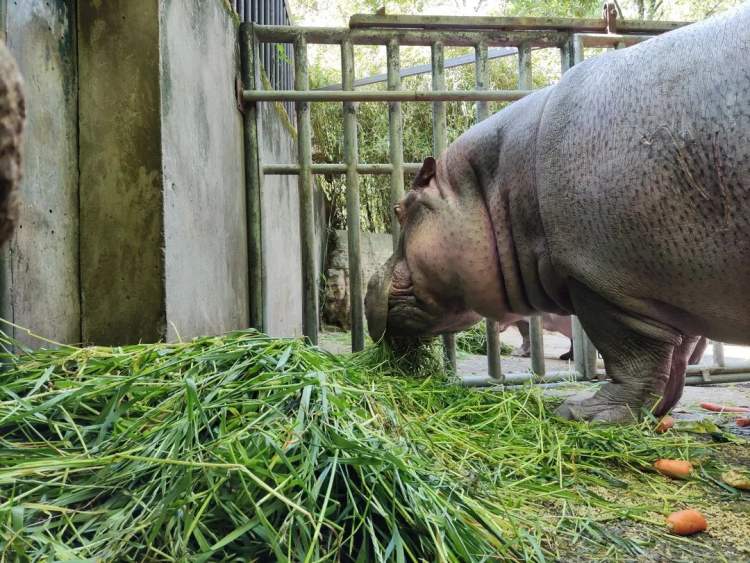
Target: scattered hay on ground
x: 244, y: 447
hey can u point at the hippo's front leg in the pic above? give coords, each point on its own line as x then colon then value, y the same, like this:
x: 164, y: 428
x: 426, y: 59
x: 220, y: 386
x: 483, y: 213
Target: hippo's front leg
x: 637, y: 356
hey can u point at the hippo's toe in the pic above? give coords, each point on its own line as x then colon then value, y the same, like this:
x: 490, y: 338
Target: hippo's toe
x: 594, y: 409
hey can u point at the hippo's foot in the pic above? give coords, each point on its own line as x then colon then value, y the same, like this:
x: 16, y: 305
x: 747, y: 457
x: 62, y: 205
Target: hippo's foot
x: 567, y: 356
x: 521, y: 352
x: 596, y: 410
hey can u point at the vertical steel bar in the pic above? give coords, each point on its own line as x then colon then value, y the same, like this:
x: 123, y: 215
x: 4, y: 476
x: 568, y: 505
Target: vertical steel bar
x: 536, y: 339
x: 306, y: 209
x: 536, y: 334
x: 494, y: 366
x: 439, y: 144
x: 396, y: 140
x: 718, y: 349
x: 566, y: 55
x: 253, y: 182
x: 351, y: 158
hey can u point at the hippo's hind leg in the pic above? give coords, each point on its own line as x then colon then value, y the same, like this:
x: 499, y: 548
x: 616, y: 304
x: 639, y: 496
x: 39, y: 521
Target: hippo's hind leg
x: 676, y: 383
x: 523, y: 351
x: 637, y: 356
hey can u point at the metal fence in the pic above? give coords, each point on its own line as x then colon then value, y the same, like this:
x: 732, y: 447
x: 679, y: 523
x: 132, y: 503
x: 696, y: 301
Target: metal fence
x: 276, y: 59
x: 570, y: 36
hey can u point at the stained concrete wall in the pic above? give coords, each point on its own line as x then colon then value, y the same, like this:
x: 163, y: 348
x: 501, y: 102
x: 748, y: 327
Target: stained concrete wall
x: 280, y: 212
x: 43, y: 255
x: 121, y: 201
x: 281, y: 233
x: 204, y: 195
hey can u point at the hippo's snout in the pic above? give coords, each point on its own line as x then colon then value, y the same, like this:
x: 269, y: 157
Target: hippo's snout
x: 376, y: 300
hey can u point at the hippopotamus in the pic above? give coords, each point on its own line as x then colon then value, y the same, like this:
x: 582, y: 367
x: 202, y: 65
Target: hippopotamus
x: 621, y: 194
x: 12, y: 118
x: 564, y: 325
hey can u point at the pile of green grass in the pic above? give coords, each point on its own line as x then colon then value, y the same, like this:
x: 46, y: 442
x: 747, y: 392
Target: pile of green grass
x: 474, y: 341
x: 243, y: 447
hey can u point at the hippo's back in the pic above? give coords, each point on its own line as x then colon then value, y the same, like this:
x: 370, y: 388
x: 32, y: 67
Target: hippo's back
x: 643, y: 175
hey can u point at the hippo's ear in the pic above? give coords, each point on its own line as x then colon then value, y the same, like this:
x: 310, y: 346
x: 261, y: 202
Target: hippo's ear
x: 425, y: 173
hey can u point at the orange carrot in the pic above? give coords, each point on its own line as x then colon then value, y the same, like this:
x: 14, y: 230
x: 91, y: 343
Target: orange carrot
x: 723, y: 408
x: 742, y: 422
x: 686, y: 522
x: 675, y: 468
x: 665, y: 424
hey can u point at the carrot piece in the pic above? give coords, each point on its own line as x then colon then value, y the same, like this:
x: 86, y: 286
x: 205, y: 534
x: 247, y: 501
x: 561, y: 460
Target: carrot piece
x: 686, y: 522
x: 664, y: 424
x: 723, y: 408
x: 675, y: 468
x: 742, y: 422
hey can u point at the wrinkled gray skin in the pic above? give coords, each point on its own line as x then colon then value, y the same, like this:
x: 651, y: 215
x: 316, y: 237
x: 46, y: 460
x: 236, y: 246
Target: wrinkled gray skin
x: 564, y: 325
x: 621, y: 194
x: 12, y: 117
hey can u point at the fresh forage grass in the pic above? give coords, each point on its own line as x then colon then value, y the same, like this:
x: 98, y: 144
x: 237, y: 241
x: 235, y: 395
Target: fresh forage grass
x: 244, y: 447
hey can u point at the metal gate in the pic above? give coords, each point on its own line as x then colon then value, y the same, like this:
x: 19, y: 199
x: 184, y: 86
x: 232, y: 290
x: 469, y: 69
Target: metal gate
x: 570, y: 36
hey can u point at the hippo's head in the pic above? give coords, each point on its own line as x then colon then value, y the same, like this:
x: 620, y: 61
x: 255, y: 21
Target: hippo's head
x: 445, y: 271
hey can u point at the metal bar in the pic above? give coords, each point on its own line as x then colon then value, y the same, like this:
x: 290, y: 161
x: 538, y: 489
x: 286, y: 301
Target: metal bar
x: 307, y: 211
x: 611, y: 40
x: 253, y: 185
x: 718, y: 348
x: 507, y: 24
x: 496, y: 53
x: 396, y: 137
x: 520, y: 379
x: 735, y: 377
x: 584, y: 352
x: 384, y: 96
x: 352, y: 200
x: 566, y: 56
x: 334, y: 36
x: 536, y: 339
x: 492, y: 328
x: 439, y: 144
x: 524, y: 68
x: 561, y: 376
x: 717, y: 370
x: 578, y: 53
x: 369, y: 169
x: 481, y: 56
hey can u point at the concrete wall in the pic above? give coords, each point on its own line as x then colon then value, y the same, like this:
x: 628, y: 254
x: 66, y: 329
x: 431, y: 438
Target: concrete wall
x: 204, y: 187
x: 375, y: 249
x: 43, y: 255
x: 280, y: 212
x: 133, y: 216
x: 121, y: 203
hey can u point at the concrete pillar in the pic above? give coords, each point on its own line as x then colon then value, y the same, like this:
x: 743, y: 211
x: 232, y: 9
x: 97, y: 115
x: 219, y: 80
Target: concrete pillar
x: 42, y: 258
x: 121, y: 198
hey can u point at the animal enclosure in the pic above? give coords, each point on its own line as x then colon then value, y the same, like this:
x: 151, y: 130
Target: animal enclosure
x: 570, y: 36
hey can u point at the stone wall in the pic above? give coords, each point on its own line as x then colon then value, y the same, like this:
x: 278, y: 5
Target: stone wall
x: 376, y: 248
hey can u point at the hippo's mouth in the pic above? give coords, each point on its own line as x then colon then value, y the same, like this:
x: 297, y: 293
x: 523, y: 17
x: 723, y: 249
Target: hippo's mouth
x: 395, y: 310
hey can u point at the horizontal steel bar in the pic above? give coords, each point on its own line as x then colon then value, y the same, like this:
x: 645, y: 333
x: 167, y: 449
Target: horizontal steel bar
x: 383, y: 95
x: 495, y: 53
x: 575, y: 25
x: 734, y: 377
x: 520, y: 379
x: 717, y: 370
x: 611, y: 40
x: 371, y: 169
x: 336, y: 35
